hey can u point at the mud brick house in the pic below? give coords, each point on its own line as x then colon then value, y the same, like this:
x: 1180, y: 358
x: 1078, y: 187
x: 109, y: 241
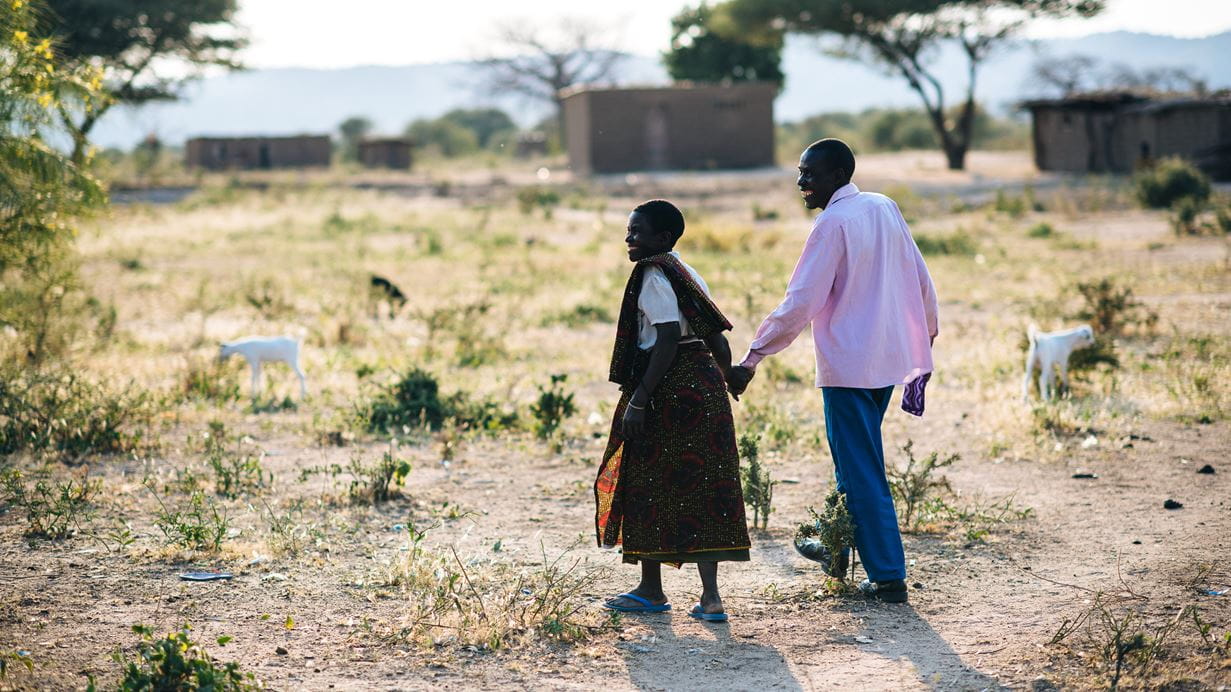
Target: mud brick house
x: 1114, y: 132
x: 257, y: 153
x: 684, y: 126
x: 385, y: 152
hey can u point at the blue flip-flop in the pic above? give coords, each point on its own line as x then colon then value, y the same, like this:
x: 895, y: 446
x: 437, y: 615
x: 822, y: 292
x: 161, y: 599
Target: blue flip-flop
x: 700, y: 614
x: 645, y: 607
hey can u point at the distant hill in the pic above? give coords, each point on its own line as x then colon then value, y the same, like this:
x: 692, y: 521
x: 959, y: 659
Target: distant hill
x: 292, y: 100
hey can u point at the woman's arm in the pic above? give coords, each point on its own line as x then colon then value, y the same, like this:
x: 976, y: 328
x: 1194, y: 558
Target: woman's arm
x: 721, y: 350
x: 663, y: 354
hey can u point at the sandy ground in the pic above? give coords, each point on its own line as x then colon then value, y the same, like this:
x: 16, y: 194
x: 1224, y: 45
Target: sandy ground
x: 981, y: 614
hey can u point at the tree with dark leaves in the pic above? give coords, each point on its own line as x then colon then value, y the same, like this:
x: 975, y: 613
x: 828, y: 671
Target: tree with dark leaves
x: 904, y: 36
x: 143, y: 47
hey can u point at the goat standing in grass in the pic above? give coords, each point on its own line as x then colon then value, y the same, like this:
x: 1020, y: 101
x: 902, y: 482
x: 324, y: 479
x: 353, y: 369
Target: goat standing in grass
x: 1050, y: 351
x: 266, y: 349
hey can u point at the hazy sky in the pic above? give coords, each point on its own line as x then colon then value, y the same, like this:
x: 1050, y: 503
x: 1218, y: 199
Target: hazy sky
x: 328, y: 33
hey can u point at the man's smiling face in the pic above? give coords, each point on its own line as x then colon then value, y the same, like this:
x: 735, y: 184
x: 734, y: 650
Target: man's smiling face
x: 818, y: 180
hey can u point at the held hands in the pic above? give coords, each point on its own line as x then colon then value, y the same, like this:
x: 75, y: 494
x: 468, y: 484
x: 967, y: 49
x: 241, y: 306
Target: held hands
x: 738, y: 378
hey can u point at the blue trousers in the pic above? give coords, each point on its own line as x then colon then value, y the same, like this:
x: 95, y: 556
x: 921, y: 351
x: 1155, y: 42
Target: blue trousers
x: 853, y: 425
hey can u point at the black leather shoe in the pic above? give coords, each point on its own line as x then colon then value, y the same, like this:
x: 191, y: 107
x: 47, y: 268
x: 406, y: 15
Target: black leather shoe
x: 886, y: 591
x: 816, y: 551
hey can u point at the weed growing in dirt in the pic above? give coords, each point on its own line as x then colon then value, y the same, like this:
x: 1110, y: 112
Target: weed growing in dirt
x: 1041, y: 230
x: 758, y: 486
x: 235, y: 472
x: 54, y: 510
x: 833, y: 526
x: 175, y: 662
x: 289, y: 535
x: 914, y: 486
x: 1111, y: 309
x: 8, y: 658
x: 553, y: 407
x: 373, y: 482
x: 534, y: 197
x: 770, y: 423
x: 1119, y: 640
x: 44, y: 412
x: 198, y: 526
x: 1196, y: 370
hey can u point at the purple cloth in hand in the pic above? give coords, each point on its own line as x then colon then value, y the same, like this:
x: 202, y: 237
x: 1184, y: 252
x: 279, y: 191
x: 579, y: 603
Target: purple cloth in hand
x: 912, y: 396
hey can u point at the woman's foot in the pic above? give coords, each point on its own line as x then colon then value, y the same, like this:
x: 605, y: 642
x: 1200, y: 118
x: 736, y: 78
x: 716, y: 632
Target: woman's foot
x: 639, y: 600
x: 711, y: 603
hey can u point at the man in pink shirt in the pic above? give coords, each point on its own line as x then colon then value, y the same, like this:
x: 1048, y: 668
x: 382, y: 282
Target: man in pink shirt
x: 862, y: 285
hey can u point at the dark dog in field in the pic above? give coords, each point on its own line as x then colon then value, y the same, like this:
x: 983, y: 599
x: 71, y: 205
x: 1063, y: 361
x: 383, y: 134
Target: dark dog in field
x: 384, y: 288
x: 389, y: 289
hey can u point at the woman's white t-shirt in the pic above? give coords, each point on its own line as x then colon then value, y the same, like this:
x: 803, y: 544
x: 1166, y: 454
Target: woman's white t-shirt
x: 658, y: 304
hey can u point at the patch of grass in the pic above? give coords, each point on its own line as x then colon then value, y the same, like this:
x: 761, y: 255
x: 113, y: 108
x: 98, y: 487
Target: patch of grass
x: 579, y: 316
x: 199, y: 525
x: 289, y: 534
x: 175, y: 662
x: 490, y: 604
x: 54, y: 510
x: 958, y: 243
x: 770, y: 423
x: 534, y: 197
x: 236, y: 472
x: 68, y: 414
x: 207, y: 379
x: 1196, y: 371
x: 758, y: 485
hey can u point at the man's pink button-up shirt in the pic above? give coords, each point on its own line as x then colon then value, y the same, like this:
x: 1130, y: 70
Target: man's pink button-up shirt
x: 863, y: 285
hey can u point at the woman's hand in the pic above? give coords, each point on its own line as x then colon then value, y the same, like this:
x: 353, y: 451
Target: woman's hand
x: 633, y: 422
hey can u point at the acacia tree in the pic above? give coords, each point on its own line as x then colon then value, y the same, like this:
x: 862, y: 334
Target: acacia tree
x: 904, y: 37
x: 1071, y: 74
x: 352, y: 130
x: 701, y: 54
x: 142, y: 46
x: 537, y: 62
x: 41, y: 190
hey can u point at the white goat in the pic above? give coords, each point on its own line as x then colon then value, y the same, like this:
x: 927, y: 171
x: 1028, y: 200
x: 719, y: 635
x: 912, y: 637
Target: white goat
x: 1050, y: 351
x: 266, y: 349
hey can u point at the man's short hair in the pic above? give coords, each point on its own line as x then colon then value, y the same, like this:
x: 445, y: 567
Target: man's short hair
x: 836, y: 154
x: 663, y: 216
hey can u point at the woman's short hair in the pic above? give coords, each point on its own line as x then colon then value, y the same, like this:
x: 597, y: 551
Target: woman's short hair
x: 664, y: 217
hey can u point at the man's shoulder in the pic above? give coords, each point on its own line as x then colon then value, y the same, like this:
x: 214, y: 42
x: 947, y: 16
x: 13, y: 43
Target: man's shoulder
x: 855, y: 206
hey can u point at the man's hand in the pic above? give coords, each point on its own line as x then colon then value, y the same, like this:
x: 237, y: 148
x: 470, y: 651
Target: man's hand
x: 633, y: 422
x: 738, y: 378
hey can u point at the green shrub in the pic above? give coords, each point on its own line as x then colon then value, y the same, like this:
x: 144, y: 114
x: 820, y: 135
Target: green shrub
x: 536, y: 197
x: 1012, y: 205
x: 1111, y: 308
x: 833, y: 526
x: 579, y: 316
x: 958, y: 242
x: 1184, y: 214
x: 176, y: 662
x: 758, y: 485
x: 1041, y: 230
x: 553, y: 407
x: 211, y: 380
x: 1222, y: 219
x: 414, y: 401
x: 1168, y: 182
x: 53, y: 510
x: 66, y: 413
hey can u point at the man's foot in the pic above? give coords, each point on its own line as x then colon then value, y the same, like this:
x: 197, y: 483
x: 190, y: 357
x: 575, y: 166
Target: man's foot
x: 634, y: 602
x: 893, y: 591
x: 816, y: 551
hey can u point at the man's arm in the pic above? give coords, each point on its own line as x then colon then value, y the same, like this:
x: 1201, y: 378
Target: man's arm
x: 661, y: 357
x: 806, y: 294
x: 931, y: 308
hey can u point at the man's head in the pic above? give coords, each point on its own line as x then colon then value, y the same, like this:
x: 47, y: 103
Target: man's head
x: 653, y: 227
x: 825, y: 166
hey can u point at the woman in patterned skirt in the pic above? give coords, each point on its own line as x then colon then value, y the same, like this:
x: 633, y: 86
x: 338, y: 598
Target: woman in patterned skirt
x: 668, y: 489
